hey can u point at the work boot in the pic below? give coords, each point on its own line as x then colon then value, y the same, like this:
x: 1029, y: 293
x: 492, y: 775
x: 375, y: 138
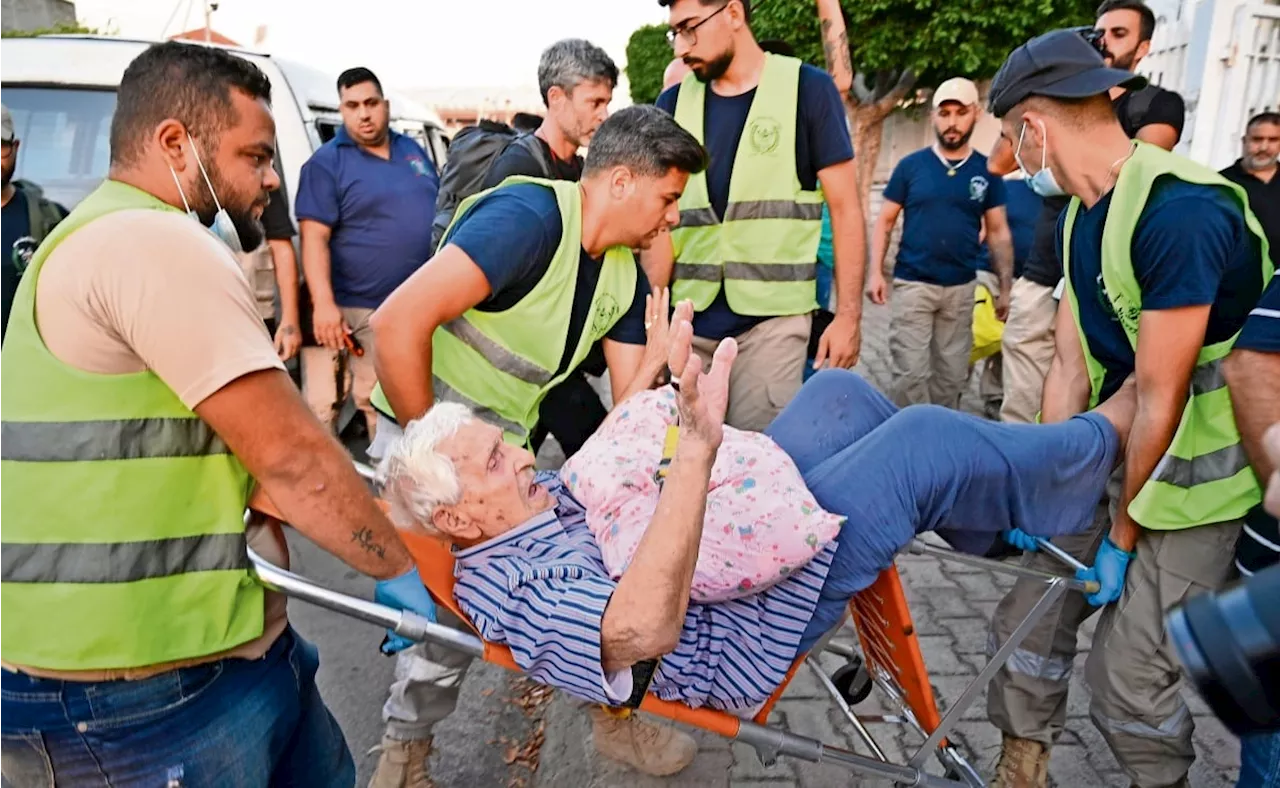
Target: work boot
x: 657, y: 750
x: 402, y: 763
x: 1023, y: 764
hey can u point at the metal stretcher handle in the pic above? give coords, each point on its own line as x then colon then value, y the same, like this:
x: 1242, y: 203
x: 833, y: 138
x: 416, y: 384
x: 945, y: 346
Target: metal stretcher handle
x: 1060, y: 554
x: 405, y: 623
x: 918, y: 547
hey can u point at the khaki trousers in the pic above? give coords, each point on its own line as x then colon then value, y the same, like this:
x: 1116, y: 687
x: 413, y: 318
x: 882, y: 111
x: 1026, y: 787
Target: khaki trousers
x: 930, y: 342
x: 329, y: 376
x: 1132, y: 670
x: 768, y: 371
x: 1027, y: 348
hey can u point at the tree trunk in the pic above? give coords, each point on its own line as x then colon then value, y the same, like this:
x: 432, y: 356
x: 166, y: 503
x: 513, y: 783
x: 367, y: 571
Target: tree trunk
x: 868, y: 129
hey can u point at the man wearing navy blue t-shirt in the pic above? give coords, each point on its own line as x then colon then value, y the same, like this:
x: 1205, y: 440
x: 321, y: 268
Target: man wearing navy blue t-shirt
x: 365, y: 204
x: 746, y: 249
x: 1163, y: 262
x: 947, y: 195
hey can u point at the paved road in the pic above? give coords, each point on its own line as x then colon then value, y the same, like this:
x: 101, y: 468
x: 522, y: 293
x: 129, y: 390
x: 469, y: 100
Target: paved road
x: 501, y: 721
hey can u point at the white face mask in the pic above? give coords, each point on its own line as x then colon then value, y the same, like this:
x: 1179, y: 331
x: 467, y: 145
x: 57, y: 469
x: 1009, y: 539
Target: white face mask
x: 1042, y: 183
x: 222, y: 227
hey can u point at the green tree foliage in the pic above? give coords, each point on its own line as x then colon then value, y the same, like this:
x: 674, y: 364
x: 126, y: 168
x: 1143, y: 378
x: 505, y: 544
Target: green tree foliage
x: 62, y: 28
x: 648, y: 54
x: 931, y: 38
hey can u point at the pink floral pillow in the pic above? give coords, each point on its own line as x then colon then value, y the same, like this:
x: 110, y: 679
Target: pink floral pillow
x: 761, y: 525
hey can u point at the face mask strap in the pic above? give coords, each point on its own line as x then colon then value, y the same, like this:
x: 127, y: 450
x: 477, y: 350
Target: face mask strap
x: 1044, y: 147
x: 181, y: 193
x: 200, y: 164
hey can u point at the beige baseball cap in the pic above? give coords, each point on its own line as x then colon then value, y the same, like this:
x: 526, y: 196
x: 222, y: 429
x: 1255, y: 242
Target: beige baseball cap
x: 956, y: 89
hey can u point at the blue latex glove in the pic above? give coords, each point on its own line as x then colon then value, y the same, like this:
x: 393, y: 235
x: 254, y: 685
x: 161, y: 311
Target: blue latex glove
x: 405, y: 592
x: 1021, y: 540
x: 1108, y: 571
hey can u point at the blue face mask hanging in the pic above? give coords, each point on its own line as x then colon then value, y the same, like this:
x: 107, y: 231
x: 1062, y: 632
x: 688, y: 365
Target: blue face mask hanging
x: 1042, y: 183
x: 222, y: 226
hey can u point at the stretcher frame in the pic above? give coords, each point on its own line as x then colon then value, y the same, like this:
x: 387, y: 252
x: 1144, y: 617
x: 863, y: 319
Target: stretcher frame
x: 890, y: 654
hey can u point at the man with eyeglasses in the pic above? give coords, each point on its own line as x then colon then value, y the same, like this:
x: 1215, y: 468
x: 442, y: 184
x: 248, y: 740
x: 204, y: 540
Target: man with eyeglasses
x: 746, y: 249
x: 26, y: 218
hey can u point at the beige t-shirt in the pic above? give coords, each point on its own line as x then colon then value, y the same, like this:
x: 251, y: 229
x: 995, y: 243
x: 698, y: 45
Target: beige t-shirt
x: 142, y: 289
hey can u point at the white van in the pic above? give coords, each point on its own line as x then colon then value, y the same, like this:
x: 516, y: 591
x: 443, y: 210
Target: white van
x: 62, y: 93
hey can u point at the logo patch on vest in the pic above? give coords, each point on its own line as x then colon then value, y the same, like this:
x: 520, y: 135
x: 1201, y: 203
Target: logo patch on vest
x: 764, y: 135
x: 978, y: 188
x: 605, y: 316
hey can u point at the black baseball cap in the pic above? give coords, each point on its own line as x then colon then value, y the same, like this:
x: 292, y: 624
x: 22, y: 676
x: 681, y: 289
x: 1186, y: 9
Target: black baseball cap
x: 1060, y: 64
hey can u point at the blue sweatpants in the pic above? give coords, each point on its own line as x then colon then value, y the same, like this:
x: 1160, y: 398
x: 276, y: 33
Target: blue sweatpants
x: 897, y: 473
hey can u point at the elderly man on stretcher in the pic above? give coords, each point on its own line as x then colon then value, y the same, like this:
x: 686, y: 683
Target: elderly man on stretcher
x: 710, y: 571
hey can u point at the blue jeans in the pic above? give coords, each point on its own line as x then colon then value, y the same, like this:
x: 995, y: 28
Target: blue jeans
x: 234, y: 722
x: 1260, y: 761
x: 897, y: 473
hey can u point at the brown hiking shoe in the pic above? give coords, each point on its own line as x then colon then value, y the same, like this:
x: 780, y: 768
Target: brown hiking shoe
x: 401, y: 764
x: 1023, y: 764
x: 657, y: 750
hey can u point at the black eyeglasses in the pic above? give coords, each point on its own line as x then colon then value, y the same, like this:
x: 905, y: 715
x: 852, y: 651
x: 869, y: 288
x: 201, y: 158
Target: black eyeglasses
x: 688, y: 33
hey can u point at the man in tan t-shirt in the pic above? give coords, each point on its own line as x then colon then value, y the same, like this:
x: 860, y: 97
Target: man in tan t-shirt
x: 144, y: 288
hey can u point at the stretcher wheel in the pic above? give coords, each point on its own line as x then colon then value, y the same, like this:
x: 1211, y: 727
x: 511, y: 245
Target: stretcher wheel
x: 853, y: 681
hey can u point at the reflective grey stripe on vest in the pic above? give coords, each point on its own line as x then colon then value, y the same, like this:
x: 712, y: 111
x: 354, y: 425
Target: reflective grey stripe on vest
x: 446, y: 393
x: 1214, y: 466
x: 752, y: 209
x: 773, y: 209
x: 771, y: 272
x: 698, y: 217
x: 496, y: 354
x: 747, y: 272
x: 1207, y: 378
x: 123, y: 439
x: 122, y: 562
x: 700, y: 272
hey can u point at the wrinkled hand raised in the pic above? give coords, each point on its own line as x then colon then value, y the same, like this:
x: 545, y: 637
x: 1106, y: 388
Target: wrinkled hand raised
x: 703, y: 397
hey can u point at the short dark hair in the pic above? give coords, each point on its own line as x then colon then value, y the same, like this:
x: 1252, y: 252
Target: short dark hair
x: 776, y: 46
x: 358, y: 76
x: 188, y: 82
x: 746, y: 5
x: 1148, y: 26
x: 1262, y: 117
x: 647, y: 140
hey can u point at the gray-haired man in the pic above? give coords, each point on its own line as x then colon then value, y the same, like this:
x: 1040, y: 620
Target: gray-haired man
x: 529, y: 276
x: 576, y: 79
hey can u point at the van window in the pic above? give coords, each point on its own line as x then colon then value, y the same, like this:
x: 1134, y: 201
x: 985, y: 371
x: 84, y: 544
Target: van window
x: 64, y: 137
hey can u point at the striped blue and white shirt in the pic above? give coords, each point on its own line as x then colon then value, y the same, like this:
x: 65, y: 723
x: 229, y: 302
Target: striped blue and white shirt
x: 542, y: 589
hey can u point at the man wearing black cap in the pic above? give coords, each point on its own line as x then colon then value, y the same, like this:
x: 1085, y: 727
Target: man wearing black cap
x: 1152, y: 114
x: 1183, y: 266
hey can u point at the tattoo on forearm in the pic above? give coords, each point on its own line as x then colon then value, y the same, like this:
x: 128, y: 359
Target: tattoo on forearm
x: 364, y: 538
x: 836, y: 49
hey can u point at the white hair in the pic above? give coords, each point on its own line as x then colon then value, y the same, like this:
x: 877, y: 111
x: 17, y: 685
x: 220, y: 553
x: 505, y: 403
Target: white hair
x: 416, y: 477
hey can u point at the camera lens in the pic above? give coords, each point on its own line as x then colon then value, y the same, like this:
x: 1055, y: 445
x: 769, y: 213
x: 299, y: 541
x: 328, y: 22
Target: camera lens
x: 1229, y: 644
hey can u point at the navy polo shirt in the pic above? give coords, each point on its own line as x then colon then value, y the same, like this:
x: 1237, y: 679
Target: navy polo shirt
x: 943, y: 216
x: 379, y: 210
x: 1191, y: 248
x: 822, y: 140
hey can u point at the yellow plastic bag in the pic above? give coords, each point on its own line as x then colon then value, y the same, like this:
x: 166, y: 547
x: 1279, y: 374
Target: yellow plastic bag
x: 987, y: 328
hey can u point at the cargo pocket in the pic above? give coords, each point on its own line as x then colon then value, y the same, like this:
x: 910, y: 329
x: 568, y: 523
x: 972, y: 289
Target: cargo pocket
x: 1196, y: 560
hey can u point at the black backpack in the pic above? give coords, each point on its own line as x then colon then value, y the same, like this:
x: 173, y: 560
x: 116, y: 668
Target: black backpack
x: 471, y: 155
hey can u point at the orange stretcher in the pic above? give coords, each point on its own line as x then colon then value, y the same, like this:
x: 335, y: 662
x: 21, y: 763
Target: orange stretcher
x: 890, y: 660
